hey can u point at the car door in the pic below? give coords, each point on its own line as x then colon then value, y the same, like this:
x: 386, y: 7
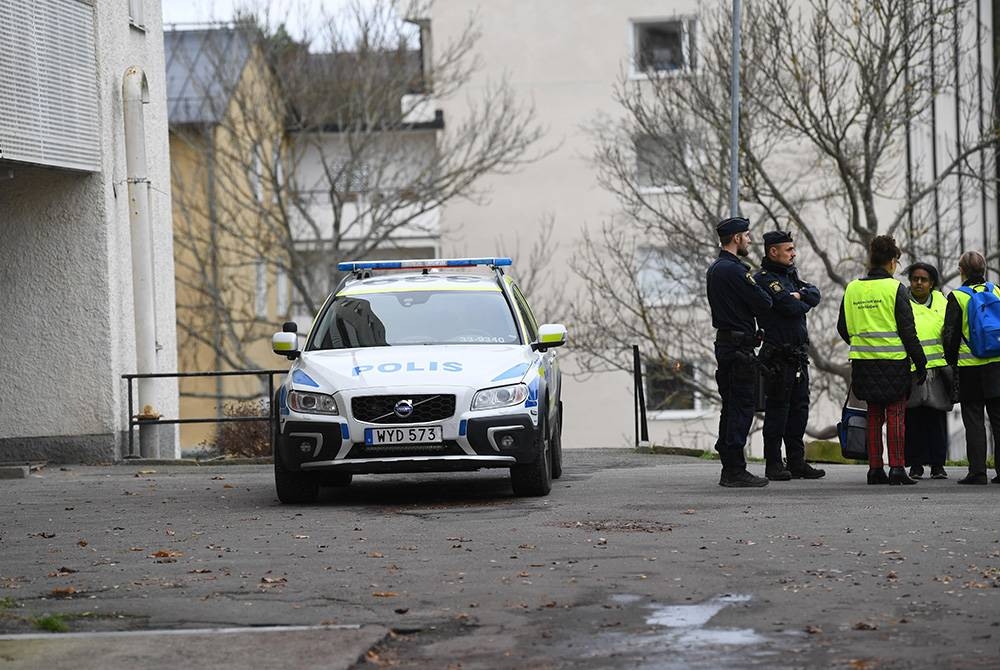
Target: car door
x: 549, y: 364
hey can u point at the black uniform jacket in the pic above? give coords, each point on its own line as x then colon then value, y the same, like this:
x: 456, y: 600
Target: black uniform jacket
x: 733, y: 295
x: 975, y: 382
x: 885, y: 381
x: 786, y: 322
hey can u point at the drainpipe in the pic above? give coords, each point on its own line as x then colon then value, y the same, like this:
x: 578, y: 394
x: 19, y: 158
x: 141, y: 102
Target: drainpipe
x: 135, y: 94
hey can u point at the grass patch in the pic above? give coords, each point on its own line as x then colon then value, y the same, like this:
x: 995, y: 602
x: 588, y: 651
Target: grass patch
x: 7, y: 603
x: 53, y: 623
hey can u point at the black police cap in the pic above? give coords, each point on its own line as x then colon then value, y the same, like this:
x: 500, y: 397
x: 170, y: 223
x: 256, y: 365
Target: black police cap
x: 733, y: 225
x: 931, y: 271
x: 773, y: 237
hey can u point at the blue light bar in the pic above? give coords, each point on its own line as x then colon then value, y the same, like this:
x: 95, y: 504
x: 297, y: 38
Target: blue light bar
x: 352, y: 266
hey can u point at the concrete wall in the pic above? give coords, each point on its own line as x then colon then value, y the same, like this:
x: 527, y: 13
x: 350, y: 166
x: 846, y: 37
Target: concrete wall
x: 67, y: 332
x: 564, y: 59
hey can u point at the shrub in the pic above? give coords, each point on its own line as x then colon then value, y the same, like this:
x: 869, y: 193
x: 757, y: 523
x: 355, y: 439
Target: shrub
x: 246, y: 439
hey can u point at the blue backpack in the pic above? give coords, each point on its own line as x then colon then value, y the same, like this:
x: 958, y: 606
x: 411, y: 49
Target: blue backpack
x: 984, y: 321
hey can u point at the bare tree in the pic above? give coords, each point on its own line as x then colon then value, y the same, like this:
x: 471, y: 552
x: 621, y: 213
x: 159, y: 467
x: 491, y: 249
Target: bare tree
x: 334, y: 150
x: 831, y: 93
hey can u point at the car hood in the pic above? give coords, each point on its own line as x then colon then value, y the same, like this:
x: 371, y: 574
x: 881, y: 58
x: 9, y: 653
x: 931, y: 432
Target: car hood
x: 479, y: 365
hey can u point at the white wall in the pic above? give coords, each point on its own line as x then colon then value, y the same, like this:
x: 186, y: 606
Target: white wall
x: 564, y: 56
x: 67, y: 332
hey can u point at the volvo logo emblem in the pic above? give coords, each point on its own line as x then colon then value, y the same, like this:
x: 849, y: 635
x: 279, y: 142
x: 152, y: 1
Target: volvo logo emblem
x: 403, y: 408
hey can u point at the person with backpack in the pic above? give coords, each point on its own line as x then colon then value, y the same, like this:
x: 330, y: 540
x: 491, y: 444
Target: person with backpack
x: 971, y: 340
x: 876, y: 320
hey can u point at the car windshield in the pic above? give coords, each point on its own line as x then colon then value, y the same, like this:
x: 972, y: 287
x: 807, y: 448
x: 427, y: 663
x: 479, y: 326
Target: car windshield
x: 406, y: 317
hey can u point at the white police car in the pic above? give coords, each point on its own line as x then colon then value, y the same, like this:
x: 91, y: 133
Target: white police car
x: 419, y: 366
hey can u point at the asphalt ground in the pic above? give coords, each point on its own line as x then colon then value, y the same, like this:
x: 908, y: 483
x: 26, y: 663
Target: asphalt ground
x: 633, y: 561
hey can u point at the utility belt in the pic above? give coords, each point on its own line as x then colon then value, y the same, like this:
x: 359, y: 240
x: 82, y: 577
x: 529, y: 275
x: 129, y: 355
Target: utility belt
x: 739, y: 338
x: 797, y: 354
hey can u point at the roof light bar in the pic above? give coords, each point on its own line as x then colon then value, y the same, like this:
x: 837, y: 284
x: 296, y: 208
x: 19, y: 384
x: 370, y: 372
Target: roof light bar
x: 353, y: 266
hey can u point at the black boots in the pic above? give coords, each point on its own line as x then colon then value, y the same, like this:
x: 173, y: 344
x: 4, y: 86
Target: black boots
x: 742, y: 480
x: 978, y: 478
x: 803, y: 470
x: 917, y: 471
x: 898, y: 476
x: 937, y: 472
x: 776, y: 471
x: 877, y: 476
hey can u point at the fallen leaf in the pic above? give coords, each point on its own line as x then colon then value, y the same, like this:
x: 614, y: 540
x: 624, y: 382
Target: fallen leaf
x: 218, y: 477
x: 145, y: 472
x: 376, y: 554
x: 228, y: 486
x: 688, y: 511
x: 166, y: 553
x: 863, y: 625
x: 170, y: 532
x: 401, y: 610
x: 273, y: 580
x: 199, y: 571
x: 63, y: 591
x: 82, y: 543
x: 62, y: 572
x: 300, y: 537
x: 385, y: 594
x: 525, y: 546
x: 813, y: 630
x: 45, y: 535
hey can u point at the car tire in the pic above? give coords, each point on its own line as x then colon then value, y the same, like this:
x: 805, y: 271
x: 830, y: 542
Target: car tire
x: 293, y: 488
x: 535, y: 478
x: 336, y: 479
x: 557, y: 447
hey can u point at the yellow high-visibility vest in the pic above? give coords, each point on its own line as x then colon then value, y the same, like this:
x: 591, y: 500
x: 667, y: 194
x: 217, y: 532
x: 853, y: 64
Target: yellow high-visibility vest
x: 870, y: 312
x: 965, y: 356
x: 929, y: 321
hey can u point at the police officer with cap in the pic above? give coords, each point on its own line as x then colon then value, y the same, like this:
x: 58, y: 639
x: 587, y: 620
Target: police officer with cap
x: 784, y: 359
x: 735, y: 299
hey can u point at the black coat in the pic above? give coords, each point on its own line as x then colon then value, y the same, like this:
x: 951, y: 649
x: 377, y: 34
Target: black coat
x: 975, y: 382
x: 733, y: 295
x: 786, y: 322
x: 884, y: 381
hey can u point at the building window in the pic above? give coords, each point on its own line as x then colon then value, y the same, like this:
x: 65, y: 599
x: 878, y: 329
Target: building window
x: 260, y: 295
x: 281, y: 288
x: 668, y: 386
x: 136, y: 16
x: 664, y: 45
x: 657, y: 159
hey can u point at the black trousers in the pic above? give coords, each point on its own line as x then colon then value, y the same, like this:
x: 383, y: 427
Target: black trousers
x: 975, y: 431
x: 786, y: 412
x: 735, y: 377
x: 926, y: 436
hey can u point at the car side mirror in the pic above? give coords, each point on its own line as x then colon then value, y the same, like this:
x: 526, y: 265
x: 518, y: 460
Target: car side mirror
x: 286, y: 344
x: 549, y: 335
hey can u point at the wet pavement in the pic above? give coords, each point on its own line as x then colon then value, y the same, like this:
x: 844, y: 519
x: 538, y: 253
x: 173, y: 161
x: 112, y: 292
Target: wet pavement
x: 633, y: 561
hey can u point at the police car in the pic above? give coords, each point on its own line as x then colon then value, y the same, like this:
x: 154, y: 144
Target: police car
x: 419, y: 366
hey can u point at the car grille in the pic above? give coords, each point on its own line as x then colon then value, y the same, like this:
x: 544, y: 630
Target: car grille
x: 379, y: 408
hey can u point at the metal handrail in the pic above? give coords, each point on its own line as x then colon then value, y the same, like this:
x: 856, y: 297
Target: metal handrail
x: 641, y: 425
x: 134, y: 421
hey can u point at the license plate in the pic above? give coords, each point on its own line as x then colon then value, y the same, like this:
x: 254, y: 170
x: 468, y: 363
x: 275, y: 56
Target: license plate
x: 403, y: 435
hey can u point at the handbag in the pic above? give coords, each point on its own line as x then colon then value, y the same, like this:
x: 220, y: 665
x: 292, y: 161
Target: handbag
x: 853, y: 431
x: 935, y: 392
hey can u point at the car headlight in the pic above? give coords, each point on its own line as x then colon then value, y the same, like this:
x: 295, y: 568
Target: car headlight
x: 312, y: 403
x: 502, y: 396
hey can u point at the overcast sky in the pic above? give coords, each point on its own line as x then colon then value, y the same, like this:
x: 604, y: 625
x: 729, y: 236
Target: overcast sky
x: 199, y: 11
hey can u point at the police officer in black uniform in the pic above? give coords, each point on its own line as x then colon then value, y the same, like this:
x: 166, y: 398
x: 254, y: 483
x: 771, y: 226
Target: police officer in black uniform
x: 784, y: 359
x: 735, y: 299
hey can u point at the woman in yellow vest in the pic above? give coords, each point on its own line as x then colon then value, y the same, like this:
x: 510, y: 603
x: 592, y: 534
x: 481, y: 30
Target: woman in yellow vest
x: 978, y: 378
x: 929, y: 404
x: 877, y: 322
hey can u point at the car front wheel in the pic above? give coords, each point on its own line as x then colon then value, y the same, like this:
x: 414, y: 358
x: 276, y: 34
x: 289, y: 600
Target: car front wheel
x: 535, y: 478
x: 293, y: 488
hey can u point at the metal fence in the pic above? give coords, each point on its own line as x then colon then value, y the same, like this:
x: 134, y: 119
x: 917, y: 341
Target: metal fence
x: 135, y: 422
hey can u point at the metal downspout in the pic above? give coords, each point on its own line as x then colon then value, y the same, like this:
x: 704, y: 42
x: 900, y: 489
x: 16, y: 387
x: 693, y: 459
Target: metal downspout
x: 135, y: 93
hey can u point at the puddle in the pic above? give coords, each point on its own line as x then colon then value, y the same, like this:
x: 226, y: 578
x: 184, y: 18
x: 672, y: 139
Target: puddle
x: 687, y: 623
